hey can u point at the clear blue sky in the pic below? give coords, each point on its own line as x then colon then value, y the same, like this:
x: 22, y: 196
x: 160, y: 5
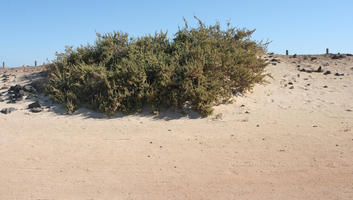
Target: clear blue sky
x: 36, y: 29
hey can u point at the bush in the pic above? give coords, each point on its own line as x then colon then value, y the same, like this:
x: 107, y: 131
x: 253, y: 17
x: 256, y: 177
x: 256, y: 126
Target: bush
x: 200, y: 66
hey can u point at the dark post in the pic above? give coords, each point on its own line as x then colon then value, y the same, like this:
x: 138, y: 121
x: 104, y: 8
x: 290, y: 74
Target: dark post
x: 327, y: 52
x: 287, y: 53
x: 3, y: 64
x: 35, y: 63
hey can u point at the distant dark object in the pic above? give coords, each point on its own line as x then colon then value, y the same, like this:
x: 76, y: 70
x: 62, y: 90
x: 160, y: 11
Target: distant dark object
x: 295, y: 56
x: 313, y: 58
x: 348, y: 54
x: 306, y: 70
x: 271, y: 53
x: 7, y: 110
x: 290, y: 83
x: 274, y: 63
x: 327, y: 72
x: 338, y: 56
x: 319, y: 69
x: 325, y: 86
x: 338, y: 74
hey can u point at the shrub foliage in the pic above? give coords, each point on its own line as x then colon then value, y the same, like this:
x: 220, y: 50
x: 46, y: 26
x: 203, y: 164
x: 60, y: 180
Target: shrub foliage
x: 201, y: 66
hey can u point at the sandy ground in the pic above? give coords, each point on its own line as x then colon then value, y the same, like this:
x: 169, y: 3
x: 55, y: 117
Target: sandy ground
x: 274, y: 143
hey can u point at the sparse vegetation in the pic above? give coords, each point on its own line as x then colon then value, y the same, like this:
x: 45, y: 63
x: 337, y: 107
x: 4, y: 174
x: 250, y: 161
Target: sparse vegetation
x: 200, y: 66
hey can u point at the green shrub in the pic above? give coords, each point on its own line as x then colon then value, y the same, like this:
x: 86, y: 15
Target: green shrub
x: 200, y: 66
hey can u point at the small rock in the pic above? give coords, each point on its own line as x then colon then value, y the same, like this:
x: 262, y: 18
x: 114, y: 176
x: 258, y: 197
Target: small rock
x: 34, y: 105
x: 327, y: 72
x: 290, y: 83
x: 325, y: 86
x: 349, y: 110
x: 291, y: 87
x: 315, y: 126
x: 313, y: 58
x: 15, y: 88
x: 257, y: 125
x: 295, y: 56
x: 29, y: 88
x: 275, y: 60
x: 36, y: 110
x: 338, y: 74
x: 247, y: 112
x: 7, y: 110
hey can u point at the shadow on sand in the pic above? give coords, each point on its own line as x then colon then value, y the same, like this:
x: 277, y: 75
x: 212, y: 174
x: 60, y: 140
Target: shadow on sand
x: 164, y: 114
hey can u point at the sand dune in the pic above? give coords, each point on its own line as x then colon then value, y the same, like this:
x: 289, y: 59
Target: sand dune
x: 289, y: 139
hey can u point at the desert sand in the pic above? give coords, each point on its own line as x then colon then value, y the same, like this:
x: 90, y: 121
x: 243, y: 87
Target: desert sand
x: 291, y: 138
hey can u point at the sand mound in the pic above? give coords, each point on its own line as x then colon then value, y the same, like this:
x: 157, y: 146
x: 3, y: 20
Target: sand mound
x: 289, y: 139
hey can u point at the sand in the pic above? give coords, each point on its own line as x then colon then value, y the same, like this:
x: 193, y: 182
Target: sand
x: 273, y: 143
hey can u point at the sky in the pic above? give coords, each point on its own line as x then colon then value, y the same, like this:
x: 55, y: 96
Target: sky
x: 37, y: 29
